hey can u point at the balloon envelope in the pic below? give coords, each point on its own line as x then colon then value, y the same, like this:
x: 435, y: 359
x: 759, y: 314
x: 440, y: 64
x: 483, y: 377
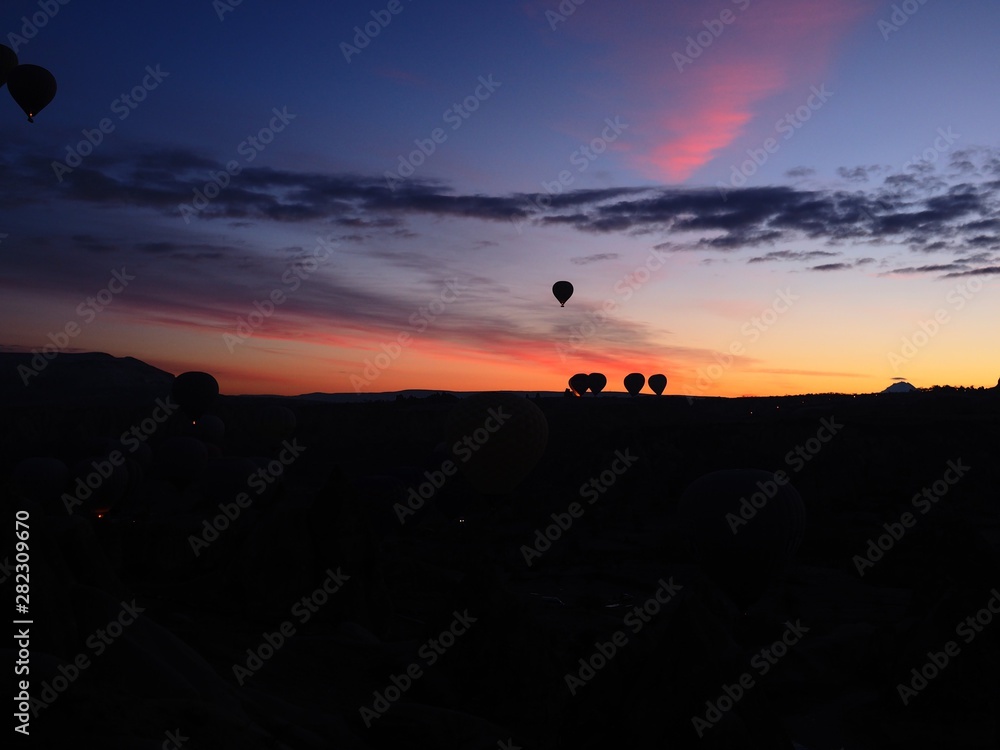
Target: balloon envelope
x: 497, y: 438
x: 579, y: 383
x: 8, y: 61
x: 194, y: 392
x: 32, y: 87
x: 597, y: 381
x: 563, y: 290
x: 746, y: 526
x: 634, y: 382
x: 657, y: 383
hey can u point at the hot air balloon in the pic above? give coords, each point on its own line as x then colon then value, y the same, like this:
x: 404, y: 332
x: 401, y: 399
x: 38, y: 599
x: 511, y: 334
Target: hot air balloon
x: 634, y: 382
x: 596, y: 381
x: 563, y: 290
x: 496, y: 439
x: 194, y: 392
x: 579, y: 383
x: 32, y: 87
x: 8, y: 61
x: 746, y: 526
x: 657, y: 383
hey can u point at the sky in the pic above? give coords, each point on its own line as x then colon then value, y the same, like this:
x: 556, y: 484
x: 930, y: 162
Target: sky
x: 752, y: 197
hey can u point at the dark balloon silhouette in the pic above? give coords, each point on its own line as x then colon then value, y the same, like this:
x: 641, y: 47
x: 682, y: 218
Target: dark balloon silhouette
x: 208, y: 428
x: 195, y: 392
x: 32, y: 87
x: 657, y: 383
x: 634, y: 382
x: 563, y: 290
x: 496, y: 439
x: 8, y: 61
x: 596, y: 381
x: 579, y: 383
x: 180, y: 459
x: 746, y: 526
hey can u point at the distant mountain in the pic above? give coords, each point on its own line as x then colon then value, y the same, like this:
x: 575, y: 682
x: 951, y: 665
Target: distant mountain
x: 70, y: 377
x: 900, y: 387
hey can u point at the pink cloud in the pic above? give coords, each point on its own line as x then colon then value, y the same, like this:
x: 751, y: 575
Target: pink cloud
x: 686, y: 117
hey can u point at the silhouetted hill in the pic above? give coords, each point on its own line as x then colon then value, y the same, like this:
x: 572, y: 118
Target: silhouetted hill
x: 73, y: 377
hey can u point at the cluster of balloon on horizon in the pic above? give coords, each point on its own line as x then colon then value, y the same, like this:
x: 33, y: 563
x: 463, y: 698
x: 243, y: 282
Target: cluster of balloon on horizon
x: 31, y: 86
x: 634, y: 381
x: 595, y: 381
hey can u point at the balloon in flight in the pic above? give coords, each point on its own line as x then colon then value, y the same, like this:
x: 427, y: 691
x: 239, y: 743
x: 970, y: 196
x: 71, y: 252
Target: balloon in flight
x: 563, y: 290
x: 579, y: 383
x: 746, y: 526
x: 496, y: 439
x: 596, y: 381
x: 195, y: 392
x: 8, y: 61
x: 32, y: 87
x: 657, y: 383
x: 634, y: 382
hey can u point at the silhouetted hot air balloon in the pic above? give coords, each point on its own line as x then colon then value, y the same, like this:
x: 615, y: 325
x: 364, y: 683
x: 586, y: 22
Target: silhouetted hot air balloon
x: 496, y: 439
x: 195, y: 392
x: 746, y: 526
x: 32, y: 87
x: 8, y: 61
x: 579, y: 383
x: 563, y: 290
x: 657, y: 383
x: 597, y: 381
x: 634, y: 382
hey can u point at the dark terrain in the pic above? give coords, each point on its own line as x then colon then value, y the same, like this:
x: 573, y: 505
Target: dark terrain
x: 232, y: 641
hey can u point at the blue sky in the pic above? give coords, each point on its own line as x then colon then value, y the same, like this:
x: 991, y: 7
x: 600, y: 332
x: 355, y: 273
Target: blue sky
x: 825, y: 149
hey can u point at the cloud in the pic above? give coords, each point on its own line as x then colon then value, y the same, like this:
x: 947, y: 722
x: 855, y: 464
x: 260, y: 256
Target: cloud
x: 921, y: 211
x: 595, y: 258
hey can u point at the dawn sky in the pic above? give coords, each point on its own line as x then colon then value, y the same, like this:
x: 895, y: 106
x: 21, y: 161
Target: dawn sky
x: 751, y: 196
